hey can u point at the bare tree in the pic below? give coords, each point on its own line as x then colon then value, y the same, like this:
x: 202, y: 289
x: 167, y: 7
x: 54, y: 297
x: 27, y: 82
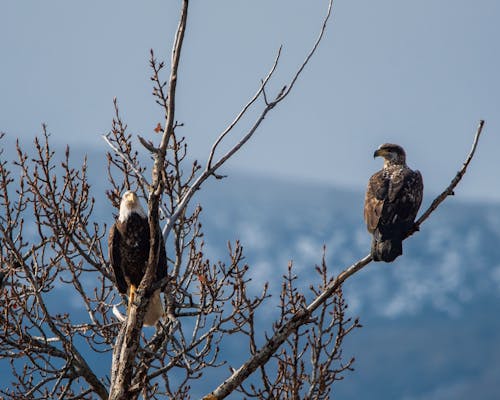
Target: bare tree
x: 50, y: 236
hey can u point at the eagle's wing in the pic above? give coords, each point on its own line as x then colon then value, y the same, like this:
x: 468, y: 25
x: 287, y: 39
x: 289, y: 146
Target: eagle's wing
x: 376, y: 193
x: 403, y: 202
x: 115, y: 258
x: 414, y: 193
x: 393, y: 197
x: 405, y: 196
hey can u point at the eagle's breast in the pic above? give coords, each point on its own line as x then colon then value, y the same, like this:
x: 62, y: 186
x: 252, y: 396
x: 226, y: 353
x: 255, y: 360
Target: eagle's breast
x: 135, y: 247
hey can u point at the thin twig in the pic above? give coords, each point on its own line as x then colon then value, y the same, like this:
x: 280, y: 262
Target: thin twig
x: 313, y: 50
x: 449, y: 191
x: 138, y: 173
x: 211, y: 168
x: 260, y: 91
x: 117, y: 151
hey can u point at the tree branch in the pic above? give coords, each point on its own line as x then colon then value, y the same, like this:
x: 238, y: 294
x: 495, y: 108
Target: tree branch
x: 131, y: 329
x: 302, y: 317
x: 449, y: 191
x: 243, y: 111
x: 284, y: 92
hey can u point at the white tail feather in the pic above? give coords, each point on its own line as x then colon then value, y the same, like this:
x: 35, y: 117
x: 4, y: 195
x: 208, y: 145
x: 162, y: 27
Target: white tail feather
x: 153, y: 313
x: 155, y: 310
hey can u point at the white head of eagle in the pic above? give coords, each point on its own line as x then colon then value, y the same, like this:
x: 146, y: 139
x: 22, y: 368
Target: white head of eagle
x: 130, y: 204
x: 129, y: 246
x: 392, y: 200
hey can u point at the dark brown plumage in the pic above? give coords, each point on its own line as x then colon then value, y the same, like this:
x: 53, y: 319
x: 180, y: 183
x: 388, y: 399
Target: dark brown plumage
x: 128, y: 245
x: 392, y: 200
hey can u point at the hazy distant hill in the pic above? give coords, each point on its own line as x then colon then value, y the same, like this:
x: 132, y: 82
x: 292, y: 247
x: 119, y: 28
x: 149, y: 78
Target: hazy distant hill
x: 430, y: 319
x: 450, y: 263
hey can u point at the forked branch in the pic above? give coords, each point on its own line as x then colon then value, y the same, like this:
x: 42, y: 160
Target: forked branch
x: 128, y: 339
x: 211, y: 166
x: 303, y: 317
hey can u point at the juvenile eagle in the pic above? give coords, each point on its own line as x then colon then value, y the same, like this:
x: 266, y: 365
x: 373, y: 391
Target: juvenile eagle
x: 393, y: 197
x: 128, y: 245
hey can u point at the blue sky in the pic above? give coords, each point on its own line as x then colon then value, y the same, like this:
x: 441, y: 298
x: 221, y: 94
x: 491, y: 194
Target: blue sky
x: 420, y: 74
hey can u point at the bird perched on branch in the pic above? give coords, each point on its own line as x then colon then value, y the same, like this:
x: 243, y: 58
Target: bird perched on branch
x: 128, y: 246
x: 392, y: 200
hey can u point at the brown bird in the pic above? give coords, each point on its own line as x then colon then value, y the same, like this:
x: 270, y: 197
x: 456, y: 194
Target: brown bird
x: 392, y: 200
x: 128, y: 246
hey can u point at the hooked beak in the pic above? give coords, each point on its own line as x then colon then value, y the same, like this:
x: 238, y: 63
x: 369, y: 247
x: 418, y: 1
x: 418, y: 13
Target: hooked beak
x: 377, y: 153
x: 130, y: 197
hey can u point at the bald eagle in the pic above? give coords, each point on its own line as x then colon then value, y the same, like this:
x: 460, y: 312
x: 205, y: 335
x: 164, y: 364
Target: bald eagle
x: 128, y: 246
x: 393, y: 197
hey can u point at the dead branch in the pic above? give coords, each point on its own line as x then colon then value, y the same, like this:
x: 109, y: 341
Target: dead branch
x: 211, y: 167
x: 450, y: 190
x: 303, y: 316
x: 123, y: 369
